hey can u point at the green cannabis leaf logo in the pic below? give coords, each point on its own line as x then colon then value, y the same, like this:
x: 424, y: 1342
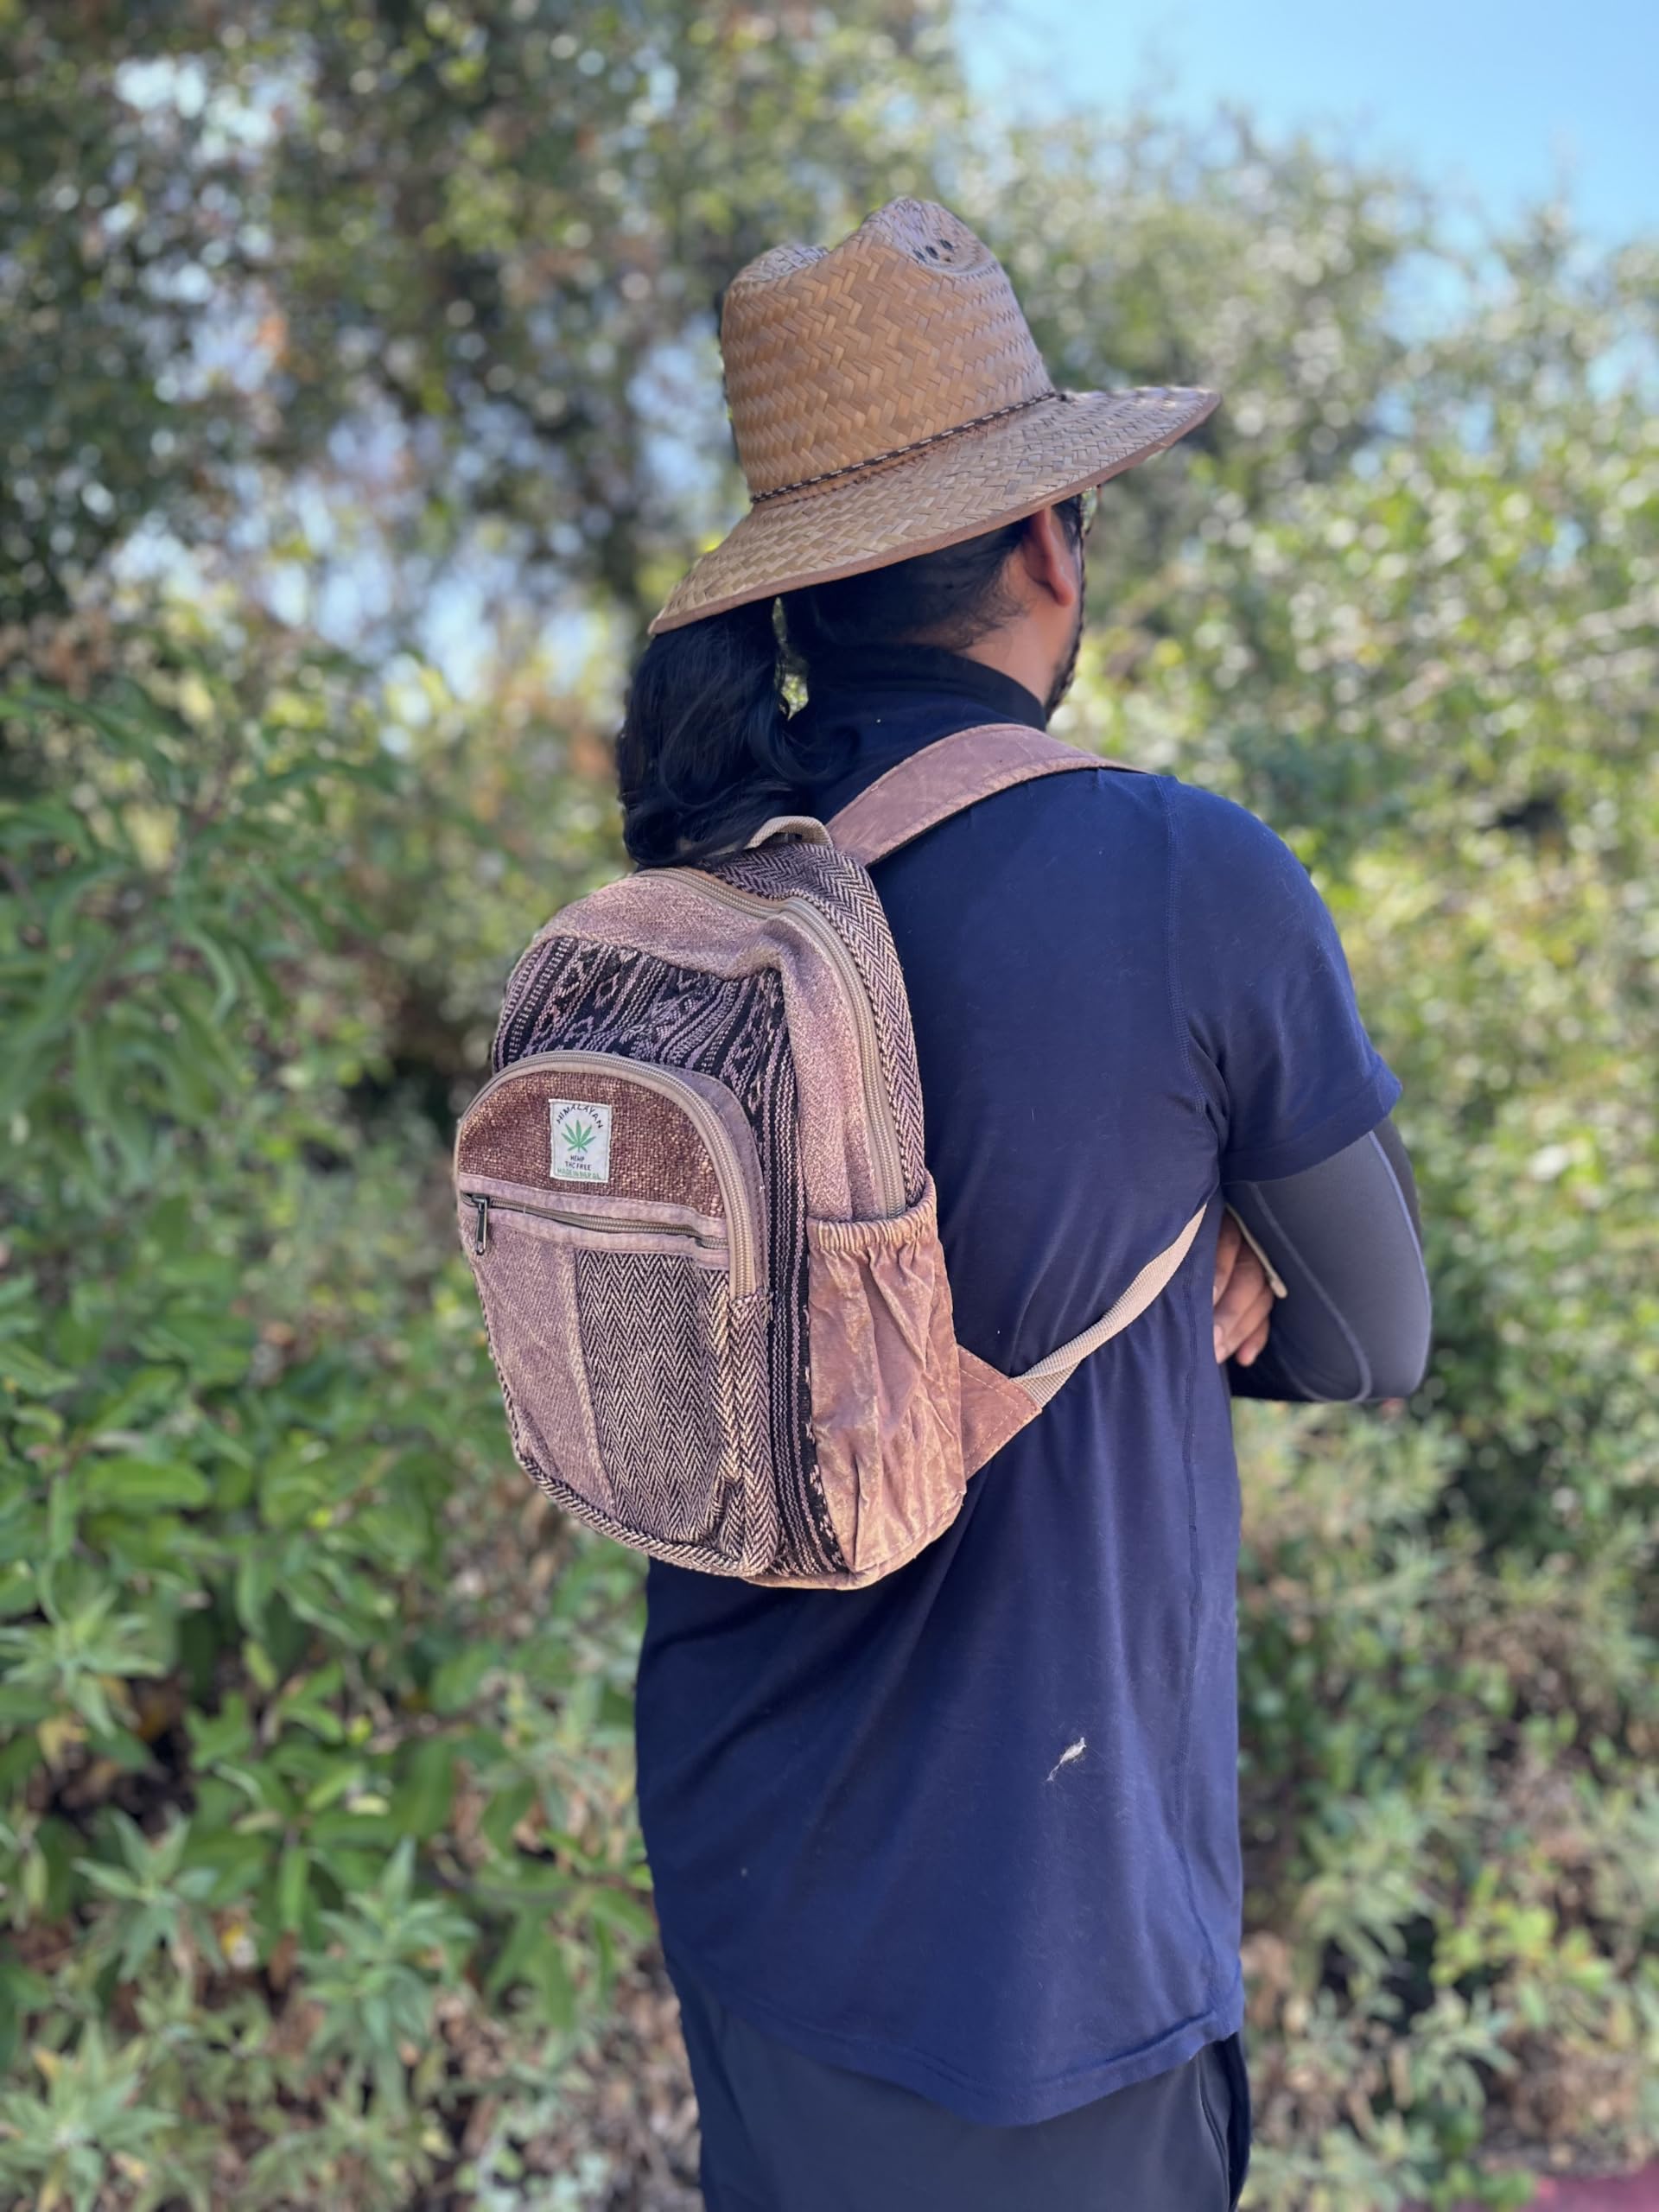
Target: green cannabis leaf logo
x: 578, y: 1136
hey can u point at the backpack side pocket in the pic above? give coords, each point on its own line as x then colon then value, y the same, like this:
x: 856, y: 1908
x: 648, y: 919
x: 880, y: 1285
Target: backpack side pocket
x: 887, y: 1399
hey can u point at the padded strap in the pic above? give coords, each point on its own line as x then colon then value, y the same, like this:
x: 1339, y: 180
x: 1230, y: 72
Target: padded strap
x: 954, y: 772
x: 1041, y: 1383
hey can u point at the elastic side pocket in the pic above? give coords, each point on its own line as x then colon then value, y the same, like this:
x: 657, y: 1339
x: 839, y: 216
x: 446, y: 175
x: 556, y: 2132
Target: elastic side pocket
x: 886, y: 1399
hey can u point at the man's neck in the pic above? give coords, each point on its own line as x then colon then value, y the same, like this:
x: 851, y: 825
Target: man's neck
x: 1011, y: 652
x: 861, y: 672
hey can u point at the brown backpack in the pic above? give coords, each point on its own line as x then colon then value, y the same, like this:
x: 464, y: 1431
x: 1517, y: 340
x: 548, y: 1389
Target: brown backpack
x: 695, y: 1204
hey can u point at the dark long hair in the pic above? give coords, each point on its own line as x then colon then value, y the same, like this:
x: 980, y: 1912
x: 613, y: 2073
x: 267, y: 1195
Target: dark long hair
x: 707, y: 748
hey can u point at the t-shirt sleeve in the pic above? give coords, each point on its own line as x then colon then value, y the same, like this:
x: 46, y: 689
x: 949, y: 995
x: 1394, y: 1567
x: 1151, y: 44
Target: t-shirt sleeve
x: 1273, y: 1032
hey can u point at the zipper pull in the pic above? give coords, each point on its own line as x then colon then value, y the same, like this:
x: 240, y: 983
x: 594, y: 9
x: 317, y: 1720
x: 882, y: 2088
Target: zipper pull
x: 483, y: 1235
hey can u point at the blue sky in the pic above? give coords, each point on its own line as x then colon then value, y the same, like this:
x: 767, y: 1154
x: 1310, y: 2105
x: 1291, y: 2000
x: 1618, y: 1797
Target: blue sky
x: 1487, y: 101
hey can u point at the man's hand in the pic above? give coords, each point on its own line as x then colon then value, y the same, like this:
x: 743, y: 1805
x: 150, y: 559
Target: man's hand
x: 1243, y: 1297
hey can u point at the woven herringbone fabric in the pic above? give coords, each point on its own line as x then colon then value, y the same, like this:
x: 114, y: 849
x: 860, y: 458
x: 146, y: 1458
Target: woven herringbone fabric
x: 887, y: 398
x: 843, y: 891
x: 663, y: 1432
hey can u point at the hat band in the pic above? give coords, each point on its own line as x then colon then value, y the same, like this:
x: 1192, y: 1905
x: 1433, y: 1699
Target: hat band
x: 898, y: 453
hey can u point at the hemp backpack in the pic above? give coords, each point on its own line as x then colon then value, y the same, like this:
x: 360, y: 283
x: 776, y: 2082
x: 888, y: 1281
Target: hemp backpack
x: 695, y: 1201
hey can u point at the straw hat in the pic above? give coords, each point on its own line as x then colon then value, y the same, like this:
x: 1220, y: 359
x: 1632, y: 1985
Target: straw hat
x: 887, y: 399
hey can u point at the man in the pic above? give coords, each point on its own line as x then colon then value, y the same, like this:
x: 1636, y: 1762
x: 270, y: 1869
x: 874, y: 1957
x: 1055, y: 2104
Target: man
x: 948, y: 1867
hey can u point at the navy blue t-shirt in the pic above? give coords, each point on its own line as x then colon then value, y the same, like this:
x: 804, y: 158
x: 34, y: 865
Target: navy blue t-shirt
x: 974, y: 1829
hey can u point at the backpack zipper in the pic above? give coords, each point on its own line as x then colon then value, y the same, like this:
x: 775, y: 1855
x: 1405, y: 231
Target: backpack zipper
x: 600, y: 1224
x: 740, y: 1228
x: 883, y: 1135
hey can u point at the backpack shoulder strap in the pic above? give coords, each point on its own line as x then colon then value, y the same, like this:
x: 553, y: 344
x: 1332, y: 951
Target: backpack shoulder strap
x: 995, y: 1407
x: 955, y: 773
x: 1041, y: 1383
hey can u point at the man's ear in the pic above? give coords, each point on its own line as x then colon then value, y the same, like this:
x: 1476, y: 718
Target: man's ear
x: 1049, y: 554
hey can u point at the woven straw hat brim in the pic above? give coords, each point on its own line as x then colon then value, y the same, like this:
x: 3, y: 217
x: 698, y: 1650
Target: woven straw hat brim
x: 951, y: 489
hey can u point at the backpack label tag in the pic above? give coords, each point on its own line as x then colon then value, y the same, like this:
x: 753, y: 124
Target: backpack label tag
x: 582, y: 1142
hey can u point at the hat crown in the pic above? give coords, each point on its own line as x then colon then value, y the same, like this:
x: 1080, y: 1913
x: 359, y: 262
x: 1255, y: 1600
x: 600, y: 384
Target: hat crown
x: 838, y: 356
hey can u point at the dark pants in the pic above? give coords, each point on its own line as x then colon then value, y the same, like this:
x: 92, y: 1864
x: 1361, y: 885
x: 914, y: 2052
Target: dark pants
x: 782, y: 2133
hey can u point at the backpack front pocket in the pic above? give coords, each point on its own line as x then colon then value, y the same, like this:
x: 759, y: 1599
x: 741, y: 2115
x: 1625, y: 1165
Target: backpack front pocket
x: 613, y: 1216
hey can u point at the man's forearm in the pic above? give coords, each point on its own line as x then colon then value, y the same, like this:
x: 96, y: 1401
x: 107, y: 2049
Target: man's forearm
x: 1346, y: 1239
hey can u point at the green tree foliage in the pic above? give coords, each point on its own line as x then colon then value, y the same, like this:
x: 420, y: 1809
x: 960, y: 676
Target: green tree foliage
x: 494, y: 226
x: 267, y: 1631
x: 316, y: 1856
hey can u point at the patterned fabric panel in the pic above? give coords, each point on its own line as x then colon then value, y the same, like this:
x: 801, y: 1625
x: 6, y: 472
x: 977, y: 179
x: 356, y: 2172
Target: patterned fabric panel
x: 843, y: 893
x: 654, y: 1338
x: 521, y: 985
x: 588, y: 997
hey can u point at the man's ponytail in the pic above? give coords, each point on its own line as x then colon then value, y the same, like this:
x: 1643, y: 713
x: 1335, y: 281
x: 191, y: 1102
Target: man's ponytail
x: 704, y: 755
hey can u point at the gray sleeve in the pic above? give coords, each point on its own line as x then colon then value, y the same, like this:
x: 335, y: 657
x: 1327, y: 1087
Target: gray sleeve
x: 1346, y: 1240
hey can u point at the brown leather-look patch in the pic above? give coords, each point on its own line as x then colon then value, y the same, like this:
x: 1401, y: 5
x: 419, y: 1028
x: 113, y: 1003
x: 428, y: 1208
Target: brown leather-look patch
x: 655, y: 1151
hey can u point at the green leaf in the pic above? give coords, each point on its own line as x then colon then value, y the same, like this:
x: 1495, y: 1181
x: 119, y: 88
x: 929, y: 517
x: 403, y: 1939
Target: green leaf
x: 31, y: 1375
x: 223, y: 1736
x: 618, y: 1908
x: 506, y: 1808
x: 125, y: 1482
x: 456, y: 1683
x: 421, y: 1802
x: 293, y: 1887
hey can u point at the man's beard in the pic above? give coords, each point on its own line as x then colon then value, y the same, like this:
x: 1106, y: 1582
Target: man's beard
x: 1062, y: 683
